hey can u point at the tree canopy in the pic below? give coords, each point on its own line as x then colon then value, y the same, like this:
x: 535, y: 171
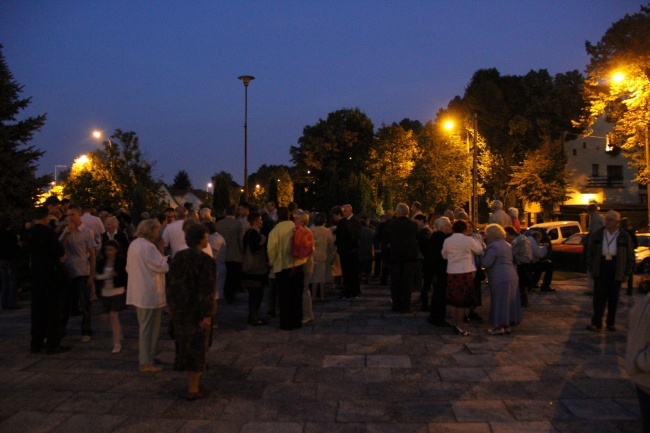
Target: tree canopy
x: 19, y: 185
x: 618, y: 85
x: 182, y: 181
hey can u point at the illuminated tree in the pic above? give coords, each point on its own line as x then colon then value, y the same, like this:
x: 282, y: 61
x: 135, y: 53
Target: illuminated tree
x: 541, y: 177
x: 19, y: 185
x: 391, y: 162
x: 618, y: 85
x: 115, y: 176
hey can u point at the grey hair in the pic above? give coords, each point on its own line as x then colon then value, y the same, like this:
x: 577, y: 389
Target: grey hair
x: 148, y: 229
x: 612, y: 215
x: 437, y: 224
x: 513, y: 212
x: 402, y: 209
x: 496, y: 204
x: 494, y: 232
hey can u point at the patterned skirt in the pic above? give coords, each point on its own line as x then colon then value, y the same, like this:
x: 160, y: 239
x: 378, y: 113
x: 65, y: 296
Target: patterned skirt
x: 460, y: 290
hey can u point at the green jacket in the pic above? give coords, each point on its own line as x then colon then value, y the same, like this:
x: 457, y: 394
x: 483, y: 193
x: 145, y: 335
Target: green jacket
x: 624, y: 254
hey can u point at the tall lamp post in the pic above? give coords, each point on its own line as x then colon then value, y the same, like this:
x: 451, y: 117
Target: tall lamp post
x: 55, y: 168
x: 246, y: 79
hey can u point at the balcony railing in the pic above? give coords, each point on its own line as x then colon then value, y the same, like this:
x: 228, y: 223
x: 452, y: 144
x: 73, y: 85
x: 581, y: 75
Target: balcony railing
x: 604, y: 182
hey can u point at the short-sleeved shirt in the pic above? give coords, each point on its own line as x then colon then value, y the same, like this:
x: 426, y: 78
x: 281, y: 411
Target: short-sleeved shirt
x: 77, y: 247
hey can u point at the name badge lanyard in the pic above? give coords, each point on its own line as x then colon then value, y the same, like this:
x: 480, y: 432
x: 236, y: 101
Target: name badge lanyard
x: 608, y: 254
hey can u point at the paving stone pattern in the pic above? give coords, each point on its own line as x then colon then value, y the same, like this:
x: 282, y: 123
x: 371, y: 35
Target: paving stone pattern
x: 358, y: 368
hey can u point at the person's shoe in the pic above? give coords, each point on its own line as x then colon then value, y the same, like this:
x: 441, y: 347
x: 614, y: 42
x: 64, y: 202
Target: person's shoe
x: 85, y: 338
x: 117, y: 348
x: 611, y: 328
x: 201, y: 393
x: 594, y: 328
x: 496, y: 331
x: 463, y: 332
x: 546, y: 289
x: 56, y: 350
x: 150, y: 368
x: 305, y: 321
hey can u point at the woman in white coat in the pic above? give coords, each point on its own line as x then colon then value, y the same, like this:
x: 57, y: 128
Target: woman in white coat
x: 146, y: 267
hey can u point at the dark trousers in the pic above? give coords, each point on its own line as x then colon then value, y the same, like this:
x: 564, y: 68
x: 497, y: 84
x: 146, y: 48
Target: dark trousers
x: 233, y: 281
x: 439, y: 299
x: 273, y: 296
x: 350, y: 272
x: 606, y: 290
x: 290, y: 286
x: 47, y: 309
x: 543, y: 266
x: 385, y: 265
x: 9, y: 283
x: 81, y: 289
x: 525, y: 282
x: 427, y: 281
x: 644, y: 402
x: 401, y: 284
x: 376, y: 272
x: 255, y: 297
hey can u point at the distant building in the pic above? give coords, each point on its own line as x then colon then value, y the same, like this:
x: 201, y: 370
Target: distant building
x: 177, y: 197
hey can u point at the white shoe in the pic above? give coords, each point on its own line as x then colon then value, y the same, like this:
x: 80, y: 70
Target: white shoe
x: 117, y: 348
x: 85, y: 338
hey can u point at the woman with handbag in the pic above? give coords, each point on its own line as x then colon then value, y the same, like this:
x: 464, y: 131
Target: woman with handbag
x: 255, y: 268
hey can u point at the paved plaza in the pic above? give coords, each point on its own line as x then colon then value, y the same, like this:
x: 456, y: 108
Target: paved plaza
x: 358, y: 368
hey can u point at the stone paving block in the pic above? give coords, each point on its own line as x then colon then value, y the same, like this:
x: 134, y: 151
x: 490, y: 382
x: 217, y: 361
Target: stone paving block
x: 256, y: 359
x: 235, y: 389
x: 600, y: 388
x: 481, y: 410
x: 301, y: 360
x: 536, y: 410
x: 463, y: 374
x: 518, y: 427
x: 206, y: 426
x: 89, y: 402
x: 308, y: 410
x: 465, y: 427
x: 511, y: 373
x: 33, y: 422
x: 362, y: 411
x: 149, y: 425
x: 335, y: 427
x: 586, y: 426
x: 90, y: 423
x: 272, y: 427
x: 272, y: 374
x: 604, y: 371
x: 317, y: 374
x: 597, y: 408
x: 447, y: 391
x: 289, y: 391
x: 352, y: 361
x: 421, y: 411
x: 388, y: 361
x: 398, y: 428
x: 142, y: 407
x: 471, y: 360
x: 341, y: 391
x: 368, y: 375
x: 251, y: 410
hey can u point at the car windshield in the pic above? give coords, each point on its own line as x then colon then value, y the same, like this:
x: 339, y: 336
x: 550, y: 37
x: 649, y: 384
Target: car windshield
x: 644, y: 241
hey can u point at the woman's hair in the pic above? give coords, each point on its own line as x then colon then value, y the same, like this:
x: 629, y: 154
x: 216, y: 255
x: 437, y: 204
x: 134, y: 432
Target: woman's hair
x: 303, y: 217
x: 510, y: 230
x: 148, y: 229
x: 494, y: 232
x: 513, y: 212
x: 459, y: 226
x: 205, y: 214
x: 211, y: 225
x: 319, y: 219
x: 195, y: 234
x: 111, y: 243
x: 252, y: 217
x: 437, y: 224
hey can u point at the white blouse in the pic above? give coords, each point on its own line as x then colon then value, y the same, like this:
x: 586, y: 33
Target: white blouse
x: 146, y: 268
x: 459, y: 251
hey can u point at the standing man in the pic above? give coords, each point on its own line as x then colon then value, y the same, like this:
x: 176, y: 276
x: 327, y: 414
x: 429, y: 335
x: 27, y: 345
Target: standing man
x: 355, y: 286
x: 403, y: 233
x: 596, y: 220
x: 174, y: 236
x: 271, y: 211
x: 442, y: 230
x: 243, y: 210
x: 95, y: 224
x: 499, y: 216
x: 48, y: 304
x: 610, y: 258
x: 425, y: 258
x: 348, y: 249
x: 233, y: 232
x: 416, y: 209
x: 79, y: 244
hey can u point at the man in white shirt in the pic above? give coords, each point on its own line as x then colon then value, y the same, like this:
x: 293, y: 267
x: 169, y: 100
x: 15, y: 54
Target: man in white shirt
x: 95, y: 224
x: 174, y: 236
x: 499, y: 216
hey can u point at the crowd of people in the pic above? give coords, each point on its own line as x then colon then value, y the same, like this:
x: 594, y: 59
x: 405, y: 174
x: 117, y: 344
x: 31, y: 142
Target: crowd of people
x: 187, y: 264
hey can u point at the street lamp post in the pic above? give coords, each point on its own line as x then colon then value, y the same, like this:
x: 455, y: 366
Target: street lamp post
x: 246, y: 79
x: 55, y: 167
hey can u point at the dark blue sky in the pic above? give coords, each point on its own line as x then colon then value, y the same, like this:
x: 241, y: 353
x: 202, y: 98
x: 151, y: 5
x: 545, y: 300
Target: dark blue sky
x: 168, y: 69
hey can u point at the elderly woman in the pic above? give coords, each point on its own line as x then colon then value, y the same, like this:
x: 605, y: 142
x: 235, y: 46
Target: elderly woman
x: 324, y: 255
x: 146, y: 267
x: 192, y: 280
x: 459, y: 250
x: 302, y: 217
x: 513, y: 212
x: 505, y: 306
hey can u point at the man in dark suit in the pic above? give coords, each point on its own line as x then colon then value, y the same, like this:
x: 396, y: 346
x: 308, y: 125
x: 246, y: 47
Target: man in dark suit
x: 356, y: 239
x: 403, y: 234
x: 348, y: 249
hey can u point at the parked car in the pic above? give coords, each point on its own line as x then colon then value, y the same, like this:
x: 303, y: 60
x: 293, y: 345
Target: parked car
x: 642, y: 253
x: 568, y: 254
x: 557, y: 231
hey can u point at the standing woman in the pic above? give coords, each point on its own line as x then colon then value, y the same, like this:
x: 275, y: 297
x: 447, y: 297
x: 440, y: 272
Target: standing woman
x: 192, y: 280
x: 146, y: 267
x: 459, y: 250
x: 110, y: 280
x: 324, y: 255
x: 505, y: 305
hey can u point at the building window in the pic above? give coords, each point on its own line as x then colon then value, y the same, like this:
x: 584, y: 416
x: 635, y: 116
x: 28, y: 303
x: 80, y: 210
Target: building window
x: 643, y: 199
x: 594, y: 170
x: 584, y: 144
x: 615, y: 173
x: 575, y: 152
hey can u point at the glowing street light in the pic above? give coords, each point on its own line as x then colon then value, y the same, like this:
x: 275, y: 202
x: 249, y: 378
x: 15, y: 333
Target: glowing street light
x: 208, y: 187
x: 618, y: 77
x: 246, y: 79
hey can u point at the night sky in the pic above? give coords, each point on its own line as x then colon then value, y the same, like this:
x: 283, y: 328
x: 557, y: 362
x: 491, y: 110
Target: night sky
x: 168, y: 69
